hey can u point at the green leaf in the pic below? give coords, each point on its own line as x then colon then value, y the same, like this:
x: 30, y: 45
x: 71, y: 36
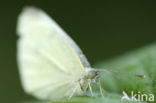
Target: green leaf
x: 109, y: 98
x: 142, y: 62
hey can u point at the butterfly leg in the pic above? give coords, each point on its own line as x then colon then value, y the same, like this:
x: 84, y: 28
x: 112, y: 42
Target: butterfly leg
x: 73, y: 91
x: 101, y: 89
x: 90, y: 88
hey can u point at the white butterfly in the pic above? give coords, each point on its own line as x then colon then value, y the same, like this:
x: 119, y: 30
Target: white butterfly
x: 51, y: 65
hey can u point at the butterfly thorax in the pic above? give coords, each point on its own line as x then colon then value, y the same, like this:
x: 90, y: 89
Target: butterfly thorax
x: 89, y: 78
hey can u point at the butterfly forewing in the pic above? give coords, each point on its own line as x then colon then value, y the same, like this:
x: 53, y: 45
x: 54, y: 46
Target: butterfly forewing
x: 50, y: 62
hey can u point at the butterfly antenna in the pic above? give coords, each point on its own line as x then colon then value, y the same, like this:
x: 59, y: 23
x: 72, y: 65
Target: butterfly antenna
x: 112, y: 71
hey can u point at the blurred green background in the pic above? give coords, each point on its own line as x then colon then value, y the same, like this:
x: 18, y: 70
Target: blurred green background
x: 103, y: 29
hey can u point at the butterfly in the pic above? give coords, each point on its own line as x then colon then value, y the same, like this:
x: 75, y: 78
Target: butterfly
x: 51, y: 65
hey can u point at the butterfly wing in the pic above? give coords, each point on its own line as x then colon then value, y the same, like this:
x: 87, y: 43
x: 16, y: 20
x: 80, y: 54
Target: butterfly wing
x: 49, y: 61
